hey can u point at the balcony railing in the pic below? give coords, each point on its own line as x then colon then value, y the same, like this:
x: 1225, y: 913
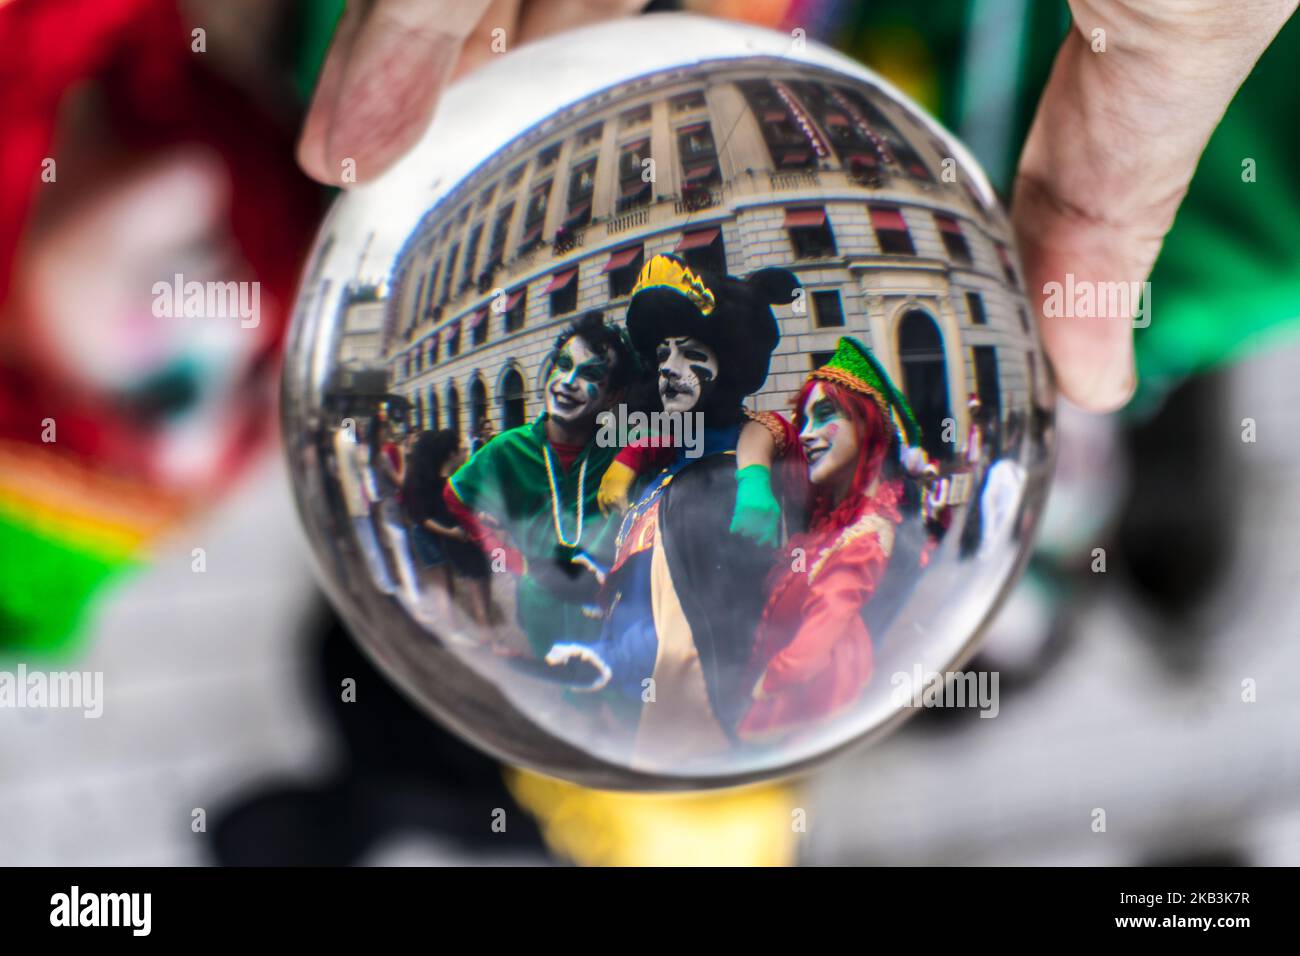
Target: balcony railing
x: 801, y: 179
x: 629, y: 220
x: 696, y: 199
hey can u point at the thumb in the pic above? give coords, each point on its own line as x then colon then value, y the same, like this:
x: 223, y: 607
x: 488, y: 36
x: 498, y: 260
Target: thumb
x: 1112, y: 149
x: 380, y: 82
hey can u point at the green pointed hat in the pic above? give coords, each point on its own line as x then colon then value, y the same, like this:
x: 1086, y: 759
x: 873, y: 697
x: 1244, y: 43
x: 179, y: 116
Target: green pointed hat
x: 854, y: 367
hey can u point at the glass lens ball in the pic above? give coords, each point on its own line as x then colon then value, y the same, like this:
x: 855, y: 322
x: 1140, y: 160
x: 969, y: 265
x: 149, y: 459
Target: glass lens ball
x: 672, y: 415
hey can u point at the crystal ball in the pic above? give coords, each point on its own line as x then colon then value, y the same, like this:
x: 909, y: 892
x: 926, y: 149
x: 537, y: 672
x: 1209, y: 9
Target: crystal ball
x: 672, y: 415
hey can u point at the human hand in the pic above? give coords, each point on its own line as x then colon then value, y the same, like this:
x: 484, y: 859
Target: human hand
x: 1110, y: 155
x: 615, y: 486
x: 390, y: 60
x: 757, y: 514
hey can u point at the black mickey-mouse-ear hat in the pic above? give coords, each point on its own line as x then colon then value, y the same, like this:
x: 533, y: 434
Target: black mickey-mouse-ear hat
x: 732, y: 316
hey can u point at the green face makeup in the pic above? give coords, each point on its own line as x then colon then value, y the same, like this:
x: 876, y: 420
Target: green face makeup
x: 578, y: 382
x: 829, y: 441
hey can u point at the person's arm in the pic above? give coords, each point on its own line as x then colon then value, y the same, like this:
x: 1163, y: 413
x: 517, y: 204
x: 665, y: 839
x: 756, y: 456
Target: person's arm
x: 485, y: 538
x: 757, y: 514
x: 637, y: 458
x: 832, y: 613
x: 447, y: 531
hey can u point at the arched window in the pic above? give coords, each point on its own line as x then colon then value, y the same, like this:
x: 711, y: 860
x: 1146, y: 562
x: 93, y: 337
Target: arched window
x: 512, y: 400
x: 434, y: 423
x: 453, y: 408
x: 477, y: 408
x: 925, y: 379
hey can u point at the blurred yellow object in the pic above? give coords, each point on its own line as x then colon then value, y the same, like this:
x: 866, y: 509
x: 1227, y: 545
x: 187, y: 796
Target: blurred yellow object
x: 752, y: 826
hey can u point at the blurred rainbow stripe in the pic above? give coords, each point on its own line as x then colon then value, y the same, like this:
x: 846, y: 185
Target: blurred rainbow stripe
x: 65, y: 532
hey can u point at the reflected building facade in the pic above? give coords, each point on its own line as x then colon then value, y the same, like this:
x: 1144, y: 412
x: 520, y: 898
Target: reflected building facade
x: 734, y: 167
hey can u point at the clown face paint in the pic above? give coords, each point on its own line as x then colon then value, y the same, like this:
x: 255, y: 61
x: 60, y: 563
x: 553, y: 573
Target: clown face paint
x: 830, y: 443
x: 578, y: 386
x: 687, y: 370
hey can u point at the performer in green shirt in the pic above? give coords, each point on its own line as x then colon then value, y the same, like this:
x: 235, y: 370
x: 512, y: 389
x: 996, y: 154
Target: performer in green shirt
x: 537, y: 483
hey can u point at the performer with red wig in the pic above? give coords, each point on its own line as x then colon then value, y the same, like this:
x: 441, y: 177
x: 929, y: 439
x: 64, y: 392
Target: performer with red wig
x: 813, y: 652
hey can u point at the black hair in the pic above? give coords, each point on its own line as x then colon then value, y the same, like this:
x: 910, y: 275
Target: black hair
x: 600, y: 336
x: 428, y: 455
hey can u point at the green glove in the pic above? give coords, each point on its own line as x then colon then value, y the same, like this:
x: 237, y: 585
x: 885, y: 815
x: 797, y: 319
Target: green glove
x: 758, y: 514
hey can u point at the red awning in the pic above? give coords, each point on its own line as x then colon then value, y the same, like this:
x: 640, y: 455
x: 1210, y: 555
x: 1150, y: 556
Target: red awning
x: 693, y: 128
x: 635, y: 145
x: 947, y: 224
x: 862, y: 159
x: 804, y: 218
x: 699, y: 172
x: 774, y: 116
x: 561, y: 279
x: 513, y: 299
x: 477, y: 318
x: 531, y: 235
x: 577, y: 212
x: 697, y: 240
x: 453, y: 328
x: 919, y: 170
x: 836, y: 119
x: 883, y: 217
x: 622, y: 258
x: 634, y: 187
x: 795, y: 158
x: 1005, y: 256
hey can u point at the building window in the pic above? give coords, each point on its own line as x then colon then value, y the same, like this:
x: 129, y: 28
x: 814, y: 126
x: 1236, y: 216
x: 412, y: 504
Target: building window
x: 535, y: 216
x: 1024, y: 320
x: 975, y: 306
x: 686, y: 102
x: 515, y: 306
x: 478, y: 326
x: 953, y: 240
x: 512, y: 400
x: 582, y: 182
x: 548, y: 157
x: 448, y: 272
x: 497, y: 246
x: 810, y: 233
x: 514, y: 176
x: 828, y: 310
x: 817, y: 359
x: 703, y: 249
x: 634, y: 186
x: 434, y: 420
x: 589, y: 135
x: 986, y: 381
x: 485, y: 197
x: 453, y: 409
x: 622, y: 268
x: 788, y: 144
x: 699, y: 156
x: 637, y: 116
x: 433, y: 288
x: 419, y: 360
x: 471, y: 255
x: 866, y: 114
x: 433, y: 352
x: 891, y: 230
x: 453, y: 339
x: 563, y: 290
x: 1008, y: 267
